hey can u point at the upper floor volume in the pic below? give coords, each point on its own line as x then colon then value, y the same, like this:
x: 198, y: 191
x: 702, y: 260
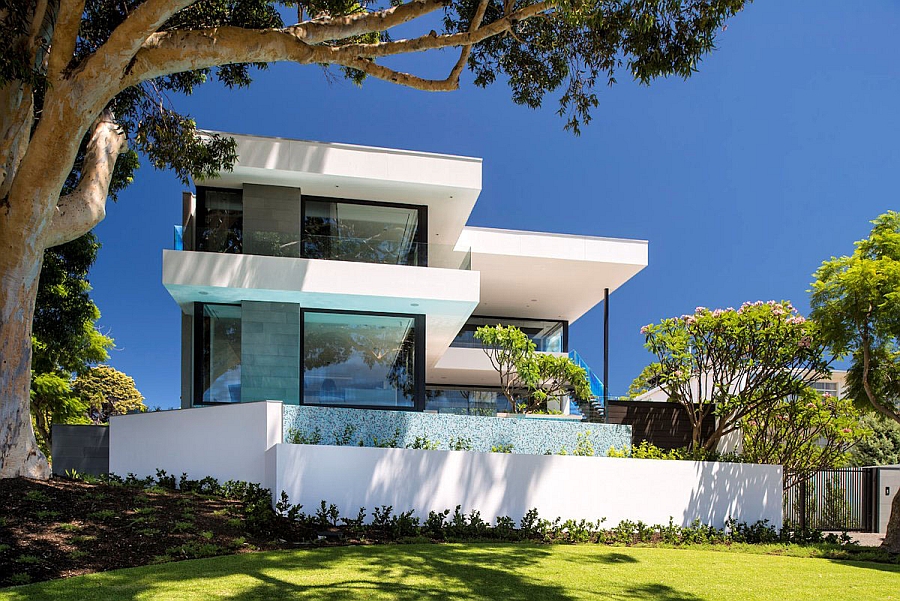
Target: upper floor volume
x: 301, y: 234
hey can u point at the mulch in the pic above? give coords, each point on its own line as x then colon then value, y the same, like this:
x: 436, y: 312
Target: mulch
x: 61, y: 528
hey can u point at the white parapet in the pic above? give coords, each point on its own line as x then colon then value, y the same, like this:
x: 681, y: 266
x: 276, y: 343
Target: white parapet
x: 226, y: 442
x: 498, y: 484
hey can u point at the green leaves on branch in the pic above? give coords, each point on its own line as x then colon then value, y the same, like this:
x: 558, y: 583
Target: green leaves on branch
x: 732, y: 362
x: 856, y: 301
x: 529, y: 379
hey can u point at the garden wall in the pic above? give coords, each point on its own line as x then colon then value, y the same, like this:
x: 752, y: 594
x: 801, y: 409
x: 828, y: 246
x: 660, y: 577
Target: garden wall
x: 500, y: 484
x: 532, y: 435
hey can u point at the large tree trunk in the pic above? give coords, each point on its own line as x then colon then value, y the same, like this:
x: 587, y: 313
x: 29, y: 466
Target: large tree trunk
x: 20, y: 266
x: 892, y: 538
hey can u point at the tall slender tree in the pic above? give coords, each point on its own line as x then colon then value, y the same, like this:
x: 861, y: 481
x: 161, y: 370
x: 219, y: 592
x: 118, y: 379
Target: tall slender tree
x: 81, y: 79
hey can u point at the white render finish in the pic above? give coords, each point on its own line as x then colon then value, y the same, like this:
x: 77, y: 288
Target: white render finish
x: 548, y: 276
x: 504, y: 484
x: 446, y: 296
x: 449, y: 185
x: 244, y: 442
x: 227, y: 442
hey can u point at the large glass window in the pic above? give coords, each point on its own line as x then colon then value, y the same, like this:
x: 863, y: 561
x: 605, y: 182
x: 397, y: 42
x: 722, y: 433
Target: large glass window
x: 219, y: 372
x: 362, y: 232
x: 359, y: 359
x: 548, y: 336
x: 465, y: 401
x: 220, y: 220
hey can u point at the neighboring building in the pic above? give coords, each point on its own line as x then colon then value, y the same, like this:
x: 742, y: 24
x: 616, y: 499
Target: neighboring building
x: 340, y: 275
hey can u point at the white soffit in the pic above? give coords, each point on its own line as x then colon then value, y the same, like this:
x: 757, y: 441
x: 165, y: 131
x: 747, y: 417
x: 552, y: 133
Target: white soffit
x: 446, y: 296
x: 548, y: 276
x: 448, y: 185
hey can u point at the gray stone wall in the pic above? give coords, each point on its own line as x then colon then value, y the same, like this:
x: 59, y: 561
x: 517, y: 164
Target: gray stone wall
x: 271, y: 221
x: 270, y: 352
x: 84, y: 449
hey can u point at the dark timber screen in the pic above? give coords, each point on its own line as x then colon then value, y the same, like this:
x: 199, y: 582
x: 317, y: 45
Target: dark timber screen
x: 839, y: 499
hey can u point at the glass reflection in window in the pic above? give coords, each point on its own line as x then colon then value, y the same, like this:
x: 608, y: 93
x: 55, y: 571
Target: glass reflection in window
x: 220, y: 370
x: 221, y: 221
x: 353, y: 359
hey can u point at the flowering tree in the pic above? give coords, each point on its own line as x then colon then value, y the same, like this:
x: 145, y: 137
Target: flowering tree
x: 803, y: 433
x: 732, y: 363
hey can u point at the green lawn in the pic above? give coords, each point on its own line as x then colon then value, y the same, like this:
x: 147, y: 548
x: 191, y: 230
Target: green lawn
x: 501, y: 572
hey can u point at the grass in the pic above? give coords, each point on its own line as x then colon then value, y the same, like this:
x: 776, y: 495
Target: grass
x: 481, y: 572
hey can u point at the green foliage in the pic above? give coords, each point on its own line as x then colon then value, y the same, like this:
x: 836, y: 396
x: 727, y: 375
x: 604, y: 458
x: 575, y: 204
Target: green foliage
x: 422, y: 442
x: 882, y: 447
x: 502, y: 448
x: 461, y: 444
x: 529, y: 379
x: 295, y: 436
x: 732, y: 362
x: 106, y: 391
x: 584, y: 447
x: 804, y: 433
x: 856, y: 301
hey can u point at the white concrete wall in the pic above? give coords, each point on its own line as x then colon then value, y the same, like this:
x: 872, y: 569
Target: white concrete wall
x: 504, y: 484
x: 225, y: 442
x: 888, y: 481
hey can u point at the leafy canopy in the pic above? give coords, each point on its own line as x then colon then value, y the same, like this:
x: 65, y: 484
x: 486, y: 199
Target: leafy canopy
x: 856, y: 301
x: 732, y: 362
x: 529, y: 379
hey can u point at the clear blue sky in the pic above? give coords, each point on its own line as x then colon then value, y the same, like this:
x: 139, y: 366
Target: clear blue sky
x: 744, y: 178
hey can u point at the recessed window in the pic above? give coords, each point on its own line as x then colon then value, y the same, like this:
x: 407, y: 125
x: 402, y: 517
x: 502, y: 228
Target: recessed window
x: 363, y: 232
x: 465, y: 401
x: 219, y: 372
x: 548, y: 336
x: 359, y: 359
x: 220, y: 220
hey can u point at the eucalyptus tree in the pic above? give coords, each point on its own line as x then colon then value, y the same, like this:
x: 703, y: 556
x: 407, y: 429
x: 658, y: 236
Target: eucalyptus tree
x: 83, y: 86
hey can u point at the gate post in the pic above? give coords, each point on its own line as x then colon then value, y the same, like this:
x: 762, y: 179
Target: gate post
x: 803, y: 505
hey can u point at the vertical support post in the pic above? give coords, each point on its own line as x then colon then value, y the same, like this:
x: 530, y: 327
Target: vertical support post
x: 606, y: 354
x: 803, y: 505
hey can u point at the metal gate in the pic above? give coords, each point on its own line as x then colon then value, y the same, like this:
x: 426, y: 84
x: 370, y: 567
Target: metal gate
x: 838, y: 499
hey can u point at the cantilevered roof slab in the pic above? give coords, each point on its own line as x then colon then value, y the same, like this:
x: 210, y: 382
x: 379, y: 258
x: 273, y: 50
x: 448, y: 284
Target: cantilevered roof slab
x: 446, y: 296
x: 548, y: 276
x: 448, y: 185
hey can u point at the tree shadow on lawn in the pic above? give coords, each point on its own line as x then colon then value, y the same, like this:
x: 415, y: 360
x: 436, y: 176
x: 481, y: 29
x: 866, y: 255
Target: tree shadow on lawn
x: 430, y: 572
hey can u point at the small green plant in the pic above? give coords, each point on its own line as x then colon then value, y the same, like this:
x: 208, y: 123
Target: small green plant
x: 183, y: 526
x: 387, y: 443
x: 77, y: 554
x: 18, y: 579
x: 295, y: 436
x: 502, y: 448
x: 327, y: 515
x: 4, y: 548
x: 422, y: 442
x: 584, y: 447
x: 46, y: 514
x: 195, y: 550
x: 207, y: 534
x: 28, y: 559
x: 102, y: 515
x: 345, y: 437
x: 36, y: 496
x: 461, y: 444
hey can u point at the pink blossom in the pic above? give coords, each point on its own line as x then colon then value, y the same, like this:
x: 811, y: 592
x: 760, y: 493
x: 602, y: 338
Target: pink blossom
x: 718, y: 312
x: 700, y: 310
x: 846, y: 430
x: 645, y: 329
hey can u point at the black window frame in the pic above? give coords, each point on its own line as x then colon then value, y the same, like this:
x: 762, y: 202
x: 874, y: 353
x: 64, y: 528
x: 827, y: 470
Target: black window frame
x: 201, y: 214
x: 418, y: 358
x: 198, y: 344
x: 421, y: 233
x: 501, y: 320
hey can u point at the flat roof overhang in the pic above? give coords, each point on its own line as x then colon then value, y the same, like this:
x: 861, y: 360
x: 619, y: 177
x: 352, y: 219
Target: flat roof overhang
x: 448, y: 185
x: 548, y: 276
x: 446, y: 296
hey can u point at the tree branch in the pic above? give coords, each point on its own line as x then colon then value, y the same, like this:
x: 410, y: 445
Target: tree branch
x: 65, y: 35
x: 77, y: 213
x: 341, y: 28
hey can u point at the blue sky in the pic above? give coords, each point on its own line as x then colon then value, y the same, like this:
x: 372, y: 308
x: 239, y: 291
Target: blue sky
x: 772, y: 158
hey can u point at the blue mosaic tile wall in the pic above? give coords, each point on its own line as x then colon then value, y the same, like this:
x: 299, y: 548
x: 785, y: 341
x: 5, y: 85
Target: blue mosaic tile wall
x: 535, y: 436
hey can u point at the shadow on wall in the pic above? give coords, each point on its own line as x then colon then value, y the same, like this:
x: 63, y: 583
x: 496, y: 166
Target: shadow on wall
x: 726, y: 490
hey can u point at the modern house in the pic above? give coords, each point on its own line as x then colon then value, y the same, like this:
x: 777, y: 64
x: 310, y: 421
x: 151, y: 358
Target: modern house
x: 329, y: 297
x: 340, y: 275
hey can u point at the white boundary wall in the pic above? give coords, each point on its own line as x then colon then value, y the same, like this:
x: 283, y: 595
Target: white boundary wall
x: 227, y: 442
x: 243, y: 442
x: 498, y: 484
